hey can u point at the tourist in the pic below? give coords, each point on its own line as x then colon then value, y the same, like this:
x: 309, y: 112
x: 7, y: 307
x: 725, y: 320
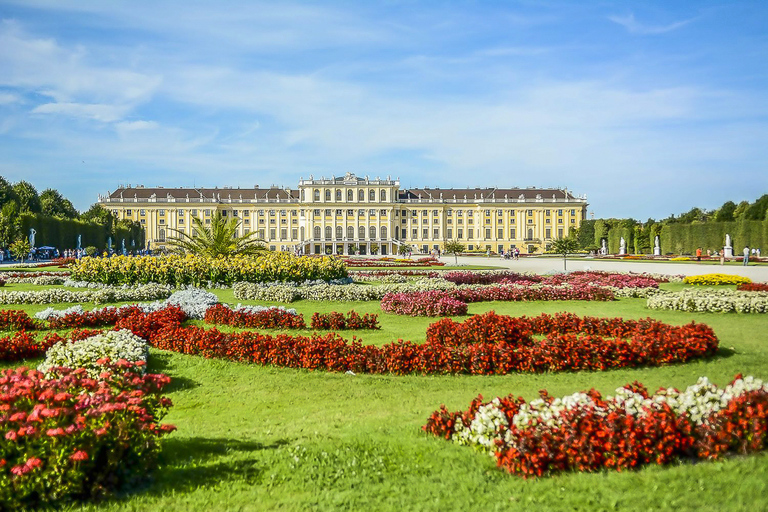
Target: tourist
x: 698, y: 254
x: 746, y: 256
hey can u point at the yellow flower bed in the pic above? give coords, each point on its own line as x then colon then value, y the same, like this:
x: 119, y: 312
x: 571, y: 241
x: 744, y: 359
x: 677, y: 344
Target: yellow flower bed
x: 198, y: 270
x: 680, y: 258
x: 716, y: 279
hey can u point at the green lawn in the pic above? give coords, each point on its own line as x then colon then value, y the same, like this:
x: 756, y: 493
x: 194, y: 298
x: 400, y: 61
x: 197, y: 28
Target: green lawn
x: 261, y: 438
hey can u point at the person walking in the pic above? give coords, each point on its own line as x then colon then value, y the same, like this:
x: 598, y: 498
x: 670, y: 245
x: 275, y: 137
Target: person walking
x: 698, y: 254
x: 746, y: 256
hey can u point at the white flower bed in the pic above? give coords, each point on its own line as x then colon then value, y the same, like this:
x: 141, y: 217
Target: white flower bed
x: 39, y: 280
x: 85, y: 353
x: 101, y: 296
x: 252, y: 310
x: 330, y: 292
x: 698, y: 402
x: 712, y: 301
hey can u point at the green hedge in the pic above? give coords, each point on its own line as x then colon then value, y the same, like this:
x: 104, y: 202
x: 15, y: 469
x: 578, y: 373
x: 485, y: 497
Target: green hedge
x: 62, y: 233
x: 686, y: 238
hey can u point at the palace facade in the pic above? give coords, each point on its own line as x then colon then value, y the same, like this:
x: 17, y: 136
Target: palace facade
x: 343, y: 215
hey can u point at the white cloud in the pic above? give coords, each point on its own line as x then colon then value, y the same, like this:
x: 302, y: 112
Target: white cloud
x: 97, y: 112
x: 635, y: 27
x: 131, y: 126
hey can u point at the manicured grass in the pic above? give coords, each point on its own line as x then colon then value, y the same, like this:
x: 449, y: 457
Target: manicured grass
x: 262, y: 438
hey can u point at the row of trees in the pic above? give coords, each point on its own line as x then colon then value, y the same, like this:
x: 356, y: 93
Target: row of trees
x: 56, y: 220
x: 746, y: 223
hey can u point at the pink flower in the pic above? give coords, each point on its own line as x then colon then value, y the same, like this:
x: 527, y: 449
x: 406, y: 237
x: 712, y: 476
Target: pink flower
x: 79, y: 455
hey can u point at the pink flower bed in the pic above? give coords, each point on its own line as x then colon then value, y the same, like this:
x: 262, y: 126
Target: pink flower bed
x: 431, y: 303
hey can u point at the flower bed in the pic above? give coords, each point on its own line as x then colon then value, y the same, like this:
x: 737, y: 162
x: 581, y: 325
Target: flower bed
x: 71, y: 436
x: 15, y: 320
x: 589, y: 432
x: 715, y: 279
x: 104, y: 295
x: 712, y: 301
x: 431, y: 303
x: 389, y: 262
x: 612, y: 279
x: 611, y: 343
x: 268, y: 318
x: 198, y: 270
x: 338, y: 322
x: 331, y: 292
x: 752, y: 287
x: 89, y: 353
x: 489, y: 277
x: 25, y: 345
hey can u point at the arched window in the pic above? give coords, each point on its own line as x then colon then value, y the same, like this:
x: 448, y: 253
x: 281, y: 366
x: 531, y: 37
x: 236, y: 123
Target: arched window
x: 530, y: 234
x: 327, y: 195
x: 361, y: 196
x: 161, y: 235
x: 372, y: 195
x: 350, y: 232
x: 301, y: 230
x: 317, y: 195
x: 373, y: 232
x: 350, y: 196
x: 339, y: 232
x: 383, y: 232
x: 338, y: 195
x: 383, y: 196
x: 317, y: 232
x: 361, y: 232
x: 328, y: 232
x: 302, y: 194
x: 397, y: 233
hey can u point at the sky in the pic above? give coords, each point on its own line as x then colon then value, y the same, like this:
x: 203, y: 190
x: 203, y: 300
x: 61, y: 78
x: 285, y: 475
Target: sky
x: 648, y: 108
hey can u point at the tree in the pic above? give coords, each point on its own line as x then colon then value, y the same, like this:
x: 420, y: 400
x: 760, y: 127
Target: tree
x: 404, y: 249
x: 27, y: 196
x: 374, y: 248
x: 99, y: 215
x: 10, y: 228
x: 55, y: 205
x: 217, y: 239
x: 725, y: 213
x: 455, y: 247
x: 565, y: 246
x: 740, y: 210
x: 758, y: 209
x: 20, y: 248
x: 6, y: 192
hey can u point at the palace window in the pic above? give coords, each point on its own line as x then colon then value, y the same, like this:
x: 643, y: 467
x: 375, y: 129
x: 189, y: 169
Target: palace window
x: 350, y: 196
x: 316, y: 195
x: 328, y: 232
x: 548, y: 233
x: 470, y: 233
x: 383, y: 196
x: 382, y: 213
x: 461, y: 233
x: 425, y: 233
x: 283, y: 234
x: 373, y: 232
x: 547, y: 213
x: 361, y: 196
x: 294, y: 233
x: 383, y: 232
x: 316, y: 232
x: 327, y: 195
x: 560, y: 213
x: 435, y: 233
x: 361, y: 232
x: 327, y: 212
x: 127, y: 212
x: 372, y: 195
x: 350, y: 232
x: 449, y: 232
x: 415, y: 233
x: 500, y: 233
x: 272, y: 234
x: 338, y: 212
x: 338, y: 195
x: 339, y: 232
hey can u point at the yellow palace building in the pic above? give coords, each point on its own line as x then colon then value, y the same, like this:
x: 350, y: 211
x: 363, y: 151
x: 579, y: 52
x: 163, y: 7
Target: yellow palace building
x: 349, y: 214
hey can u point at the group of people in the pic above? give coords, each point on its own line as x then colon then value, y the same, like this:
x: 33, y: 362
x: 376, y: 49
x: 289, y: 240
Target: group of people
x: 511, y: 254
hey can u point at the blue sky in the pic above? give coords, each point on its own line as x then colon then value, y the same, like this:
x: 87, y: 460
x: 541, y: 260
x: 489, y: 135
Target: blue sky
x: 648, y: 108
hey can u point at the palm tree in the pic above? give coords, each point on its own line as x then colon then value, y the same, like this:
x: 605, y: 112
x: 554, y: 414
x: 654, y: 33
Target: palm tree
x: 217, y: 239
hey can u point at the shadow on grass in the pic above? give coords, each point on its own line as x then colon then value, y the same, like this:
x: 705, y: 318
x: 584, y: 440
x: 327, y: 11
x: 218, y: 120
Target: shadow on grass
x: 188, y: 464
x: 160, y: 363
x: 724, y: 353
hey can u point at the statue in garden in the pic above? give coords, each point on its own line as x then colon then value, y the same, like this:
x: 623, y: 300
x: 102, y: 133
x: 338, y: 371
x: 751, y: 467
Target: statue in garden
x: 728, y: 249
x: 32, y: 234
x: 603, y: 249
x: 656, y: 247
x: 79, y: 242
x: 623, y: 246
x: 123, y: 247
x: 109, y: 244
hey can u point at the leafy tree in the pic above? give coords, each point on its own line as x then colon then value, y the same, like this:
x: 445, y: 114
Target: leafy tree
x: 740, y: 210
x: 565, y: 246
x: 374, y: 248
x: 725, y: 213
x: 99, y: 215
x: 27, y: 196
x: 20, y: 248
x: 586, y: 235
x: 6, y: 192
x: 217, y: 239
x: 55, y: 205
x: 758, y: 209
x: 10, y: 224
x: 404, y: 249
x: 455, y: 247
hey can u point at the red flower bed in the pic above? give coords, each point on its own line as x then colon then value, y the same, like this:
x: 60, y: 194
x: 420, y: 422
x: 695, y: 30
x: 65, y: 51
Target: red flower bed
x: 431, y: 303
x: 337, y: 321
x: 23, y: 345
x: 70, y: 436
x: 469, y: 277
x: 272, y: 318
x: 599, y: 433
x: 386, y: 262
x: 16, y: 320
x: 581, y: 278
x: 406, y: 273
x: 102, y: 317
x: 34, y: 274
x: 753, y: 287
